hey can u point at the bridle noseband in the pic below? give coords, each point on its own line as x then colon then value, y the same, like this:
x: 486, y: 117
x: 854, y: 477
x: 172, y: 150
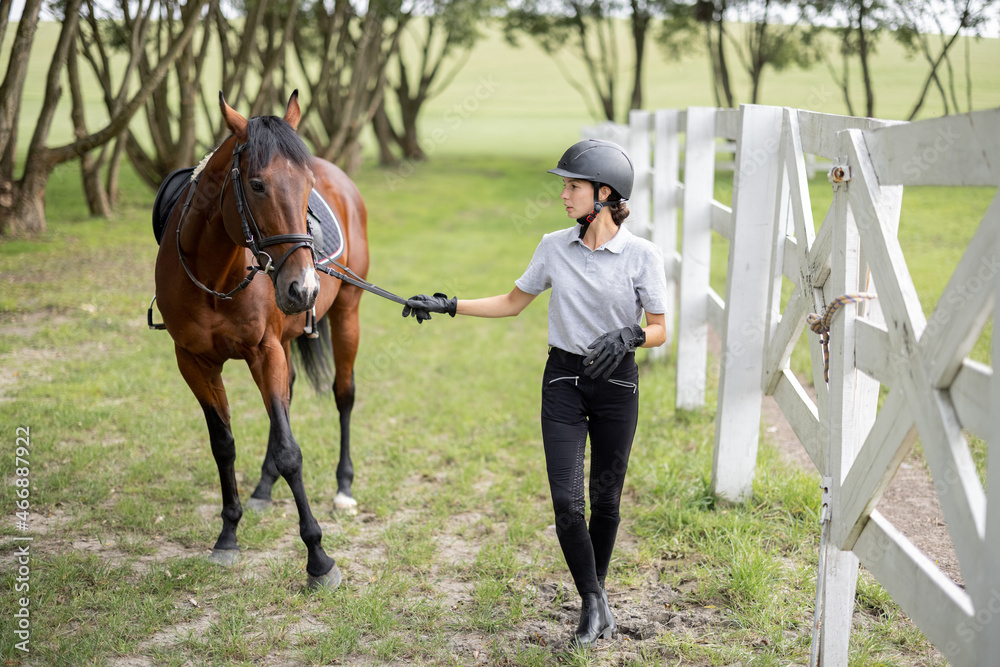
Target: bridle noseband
x: 252, y: 235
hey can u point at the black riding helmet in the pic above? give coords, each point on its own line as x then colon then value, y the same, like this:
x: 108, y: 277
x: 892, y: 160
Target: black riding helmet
x: 600, y: 162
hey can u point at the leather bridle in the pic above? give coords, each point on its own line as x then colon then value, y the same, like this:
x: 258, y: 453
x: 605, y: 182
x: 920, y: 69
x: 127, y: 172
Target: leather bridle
x: 256, y: 242
x: 252, y: 235
x: 251, y: 232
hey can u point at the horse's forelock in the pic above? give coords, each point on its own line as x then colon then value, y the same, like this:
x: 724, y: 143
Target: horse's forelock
x: 270, y: 135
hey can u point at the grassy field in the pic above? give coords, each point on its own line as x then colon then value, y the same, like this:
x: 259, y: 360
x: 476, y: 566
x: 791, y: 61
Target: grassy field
x: 453, y: 559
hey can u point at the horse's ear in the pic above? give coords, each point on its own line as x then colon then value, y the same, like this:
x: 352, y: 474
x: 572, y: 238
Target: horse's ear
x: 236, y: 123
x: 293, y: 114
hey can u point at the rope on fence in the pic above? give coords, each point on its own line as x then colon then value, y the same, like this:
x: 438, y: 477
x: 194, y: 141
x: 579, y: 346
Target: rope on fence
x: 820, y: 324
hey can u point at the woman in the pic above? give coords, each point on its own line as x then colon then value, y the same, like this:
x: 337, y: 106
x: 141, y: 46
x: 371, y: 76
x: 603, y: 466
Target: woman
x: 602, y: 279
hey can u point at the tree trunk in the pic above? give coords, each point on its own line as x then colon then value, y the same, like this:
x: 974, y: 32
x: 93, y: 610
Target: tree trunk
x: 27, y: 215
x: 114, y: 169
x: 147, y: 168
x: 727, y: 89
x: 27, y: 212
x: 187, y: 83
x: 90, y: 164
x: 344, y: 98
x: 845, y: 81
x: 12, y: 88
x: 640, y: 25
x: 409, y: 141
x: 5, y: 7
x: 863, y: 53
x: 386, y: 138
x: 714, y: 65
x: 758, y: 57
x: 932, y: 76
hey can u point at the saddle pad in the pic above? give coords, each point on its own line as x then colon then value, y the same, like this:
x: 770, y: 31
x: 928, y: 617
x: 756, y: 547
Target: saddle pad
x: 331, y: 236
x: 166, y: 198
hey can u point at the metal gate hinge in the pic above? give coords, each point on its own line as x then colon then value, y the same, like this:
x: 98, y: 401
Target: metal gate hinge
x: 826, y: 500
x: 839, y: 173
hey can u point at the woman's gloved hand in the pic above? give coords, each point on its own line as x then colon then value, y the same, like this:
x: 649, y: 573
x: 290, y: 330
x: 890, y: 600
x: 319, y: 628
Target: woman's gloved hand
x: 610, y: 348
x: 421, y: 306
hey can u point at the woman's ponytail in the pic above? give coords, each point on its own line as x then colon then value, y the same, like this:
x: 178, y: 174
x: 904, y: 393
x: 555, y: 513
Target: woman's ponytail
x: 619, y: 211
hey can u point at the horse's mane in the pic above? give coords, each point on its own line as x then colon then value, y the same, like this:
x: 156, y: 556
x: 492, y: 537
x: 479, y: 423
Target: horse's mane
x: 201, y: 166
x: 266, y: 135
x: 270, y: 135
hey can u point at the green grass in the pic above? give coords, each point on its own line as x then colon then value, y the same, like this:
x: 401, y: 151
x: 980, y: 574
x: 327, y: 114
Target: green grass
x: 453, y: 547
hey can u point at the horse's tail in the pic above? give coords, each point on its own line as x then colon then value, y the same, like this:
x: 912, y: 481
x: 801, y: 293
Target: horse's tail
x: 316, y: 355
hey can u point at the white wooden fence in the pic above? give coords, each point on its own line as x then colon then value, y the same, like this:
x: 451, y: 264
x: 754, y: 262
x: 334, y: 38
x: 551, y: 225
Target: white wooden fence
x: 934, y: 389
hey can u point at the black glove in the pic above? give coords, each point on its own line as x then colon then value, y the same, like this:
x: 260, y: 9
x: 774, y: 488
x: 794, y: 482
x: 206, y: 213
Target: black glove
x: 609, y: 349
x: 421, y: 306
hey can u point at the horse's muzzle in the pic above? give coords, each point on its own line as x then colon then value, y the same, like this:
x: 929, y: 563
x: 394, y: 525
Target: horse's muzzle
x: 296, y: 293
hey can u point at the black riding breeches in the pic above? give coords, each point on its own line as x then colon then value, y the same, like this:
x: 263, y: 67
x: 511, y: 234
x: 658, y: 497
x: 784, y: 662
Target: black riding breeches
x: 573, y: 407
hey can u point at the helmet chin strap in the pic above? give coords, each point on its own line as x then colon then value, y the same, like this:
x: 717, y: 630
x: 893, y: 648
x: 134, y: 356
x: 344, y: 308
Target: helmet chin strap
x: 589, y: 218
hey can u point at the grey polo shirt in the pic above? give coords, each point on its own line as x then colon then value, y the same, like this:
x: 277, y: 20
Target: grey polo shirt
x: 595, y: 291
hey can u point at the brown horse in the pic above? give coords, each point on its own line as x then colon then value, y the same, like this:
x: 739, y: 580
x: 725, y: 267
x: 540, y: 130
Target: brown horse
x: 247, y: 203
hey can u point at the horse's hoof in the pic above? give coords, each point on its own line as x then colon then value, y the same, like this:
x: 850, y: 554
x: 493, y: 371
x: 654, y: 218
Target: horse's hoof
x: 327, y: 582
x: 224, y: 557
x: 259, y: 504
x: 344, y: 504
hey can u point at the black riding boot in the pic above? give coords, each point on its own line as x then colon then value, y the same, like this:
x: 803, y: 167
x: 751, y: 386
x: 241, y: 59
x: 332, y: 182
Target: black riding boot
x: 612, y: 625
x: 593, y: 622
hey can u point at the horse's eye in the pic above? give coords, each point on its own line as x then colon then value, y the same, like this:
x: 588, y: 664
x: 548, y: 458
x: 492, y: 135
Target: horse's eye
x: 257, y: 185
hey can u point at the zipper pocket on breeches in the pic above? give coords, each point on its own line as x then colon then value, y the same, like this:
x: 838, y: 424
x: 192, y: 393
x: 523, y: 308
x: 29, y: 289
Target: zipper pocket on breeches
x: 628, y: 385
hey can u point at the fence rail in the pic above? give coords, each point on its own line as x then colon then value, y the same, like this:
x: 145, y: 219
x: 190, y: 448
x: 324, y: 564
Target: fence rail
x: 934, y: 390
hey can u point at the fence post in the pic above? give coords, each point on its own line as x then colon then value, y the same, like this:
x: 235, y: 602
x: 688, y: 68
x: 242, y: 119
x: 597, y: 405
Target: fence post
x: 990, y: 641
x: 737, y: 419
x: 666, y: 167
x: 640, y: 150
x: 696, y: 249
x: 838, y: 570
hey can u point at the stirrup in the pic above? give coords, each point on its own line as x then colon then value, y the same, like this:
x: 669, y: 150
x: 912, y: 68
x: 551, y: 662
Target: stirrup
x: 149, y: 318
x: 310, y: 330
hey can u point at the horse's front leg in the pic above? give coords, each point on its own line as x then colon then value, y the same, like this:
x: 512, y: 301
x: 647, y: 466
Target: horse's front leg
x: 260, y: 499
x: 205, y: 380
x: 270, y: 372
